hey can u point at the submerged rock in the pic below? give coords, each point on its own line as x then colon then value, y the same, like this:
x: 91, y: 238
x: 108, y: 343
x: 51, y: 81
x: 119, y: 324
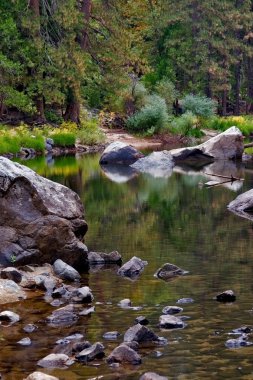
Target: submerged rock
x: 142, y: 320
x: 170, y: 310
x: 9, y: 316
x: 30, y: 328
x: 157, y: 164
x: 227, y: 296
x: 97, y: 258
x: 65, y: 271
x: 63, y: 317
x: 40, y: 376
x: 170, y: 322
x: 54, y: 361
x: 242, y: 341
x: 152, y: 376
x: 111, y: 335
x: 133, y: 268
x: 41, y: 220
x: 120, y: 153
x: 185, y: 300
x: 125, y: 303
x: 124, y: 354
x: 140, y: 334
x: 169, y: 271
x: 25, y: 342
x: 91, y: 353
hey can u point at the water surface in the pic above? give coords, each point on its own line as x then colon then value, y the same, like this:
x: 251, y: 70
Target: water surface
x: 160, y: 220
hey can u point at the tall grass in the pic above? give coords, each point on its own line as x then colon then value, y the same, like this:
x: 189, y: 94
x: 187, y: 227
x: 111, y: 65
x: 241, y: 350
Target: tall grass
x: 244, y: 123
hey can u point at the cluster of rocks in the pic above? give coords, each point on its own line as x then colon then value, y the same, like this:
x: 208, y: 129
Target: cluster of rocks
x: 225, y: 146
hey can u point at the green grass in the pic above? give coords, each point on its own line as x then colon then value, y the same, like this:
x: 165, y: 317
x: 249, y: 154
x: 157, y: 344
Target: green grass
x: 65, y: 139
x: 244, y: 123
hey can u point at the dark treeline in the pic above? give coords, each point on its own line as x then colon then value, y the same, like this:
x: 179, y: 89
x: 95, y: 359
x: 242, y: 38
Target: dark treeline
x: 60, y: 54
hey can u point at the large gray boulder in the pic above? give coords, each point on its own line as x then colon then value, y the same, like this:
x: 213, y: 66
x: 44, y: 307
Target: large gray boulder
x: 226, y: 145
x: 157, y: 164
x: 120, y: 153
x: 40, y: 220
x: 243, y: 205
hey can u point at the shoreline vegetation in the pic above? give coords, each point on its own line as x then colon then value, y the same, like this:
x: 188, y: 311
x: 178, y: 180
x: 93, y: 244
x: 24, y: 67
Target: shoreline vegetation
x: 92, y: 134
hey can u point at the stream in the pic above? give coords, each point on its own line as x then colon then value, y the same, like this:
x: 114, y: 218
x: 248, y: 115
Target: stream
x: 175, y: 220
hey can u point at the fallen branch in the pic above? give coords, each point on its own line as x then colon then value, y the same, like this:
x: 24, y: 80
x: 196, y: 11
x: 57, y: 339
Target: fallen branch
x: 231, y: 178
x: 216, y: 184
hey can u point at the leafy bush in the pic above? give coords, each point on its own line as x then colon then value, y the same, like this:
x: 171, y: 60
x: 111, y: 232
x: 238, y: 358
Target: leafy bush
x: 152, y: 115
x: 166, y: 89
x: 186, y: 125
x: 53, y: 117
x: 90, y: 133
x: 199, y: 105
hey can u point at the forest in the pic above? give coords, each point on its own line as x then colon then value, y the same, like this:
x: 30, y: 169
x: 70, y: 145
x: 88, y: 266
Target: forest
x: 140, y: 59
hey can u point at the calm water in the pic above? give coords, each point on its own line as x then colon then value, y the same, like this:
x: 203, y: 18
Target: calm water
x: 160, y: 220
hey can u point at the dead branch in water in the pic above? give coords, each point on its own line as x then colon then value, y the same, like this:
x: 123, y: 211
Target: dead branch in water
x: 231, y: 178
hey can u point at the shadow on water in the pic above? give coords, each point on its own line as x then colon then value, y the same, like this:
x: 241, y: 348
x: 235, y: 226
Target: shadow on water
x: 159, y: 220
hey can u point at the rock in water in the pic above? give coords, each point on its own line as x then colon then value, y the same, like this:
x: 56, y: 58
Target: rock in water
x: 170, y: 322
x: 157, y: 164
x: 140, y: 334
x: 54, y: 361
x: 40, y: 220
x: 120, y: 153
x: 40, y: 376
x: 152, y: 376
x: 227, y: 145
x: 227, y: 296
x: 91, y: 353
x: 133, y: 268
x: 65, y: 271
x: 169, y: 271
x: 124, y: 354
x: 243, y: 205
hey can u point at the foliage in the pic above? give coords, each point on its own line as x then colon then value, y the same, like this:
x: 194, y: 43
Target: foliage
x: 166, y: 89
x: 244, y: 123
x: 186, y: 125
x: 12, y: 140
x: 53, y: 117
x: 152, y: 115
x: 90, y: 133
x: 199, y: 105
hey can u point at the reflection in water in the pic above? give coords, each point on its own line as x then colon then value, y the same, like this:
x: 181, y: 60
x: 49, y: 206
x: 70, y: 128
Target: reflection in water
x: 159, y: 220
x: 119, y: 173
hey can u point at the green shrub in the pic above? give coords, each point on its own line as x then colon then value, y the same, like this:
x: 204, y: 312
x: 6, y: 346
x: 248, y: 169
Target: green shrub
x: 199, y: 105
x: 186, y: 125
x: 152, y: 115
x: 53, y: 117
x: 166, y: 89
x: 90, y: 133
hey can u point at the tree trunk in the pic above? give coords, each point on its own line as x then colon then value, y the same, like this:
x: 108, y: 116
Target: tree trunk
x: 73, y: 111
x: 34, y: 5
x: 86, y: 11
x: 250, y: 84
x: 224, y: 102
x: 40, y: 117
x: 237, y: 87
